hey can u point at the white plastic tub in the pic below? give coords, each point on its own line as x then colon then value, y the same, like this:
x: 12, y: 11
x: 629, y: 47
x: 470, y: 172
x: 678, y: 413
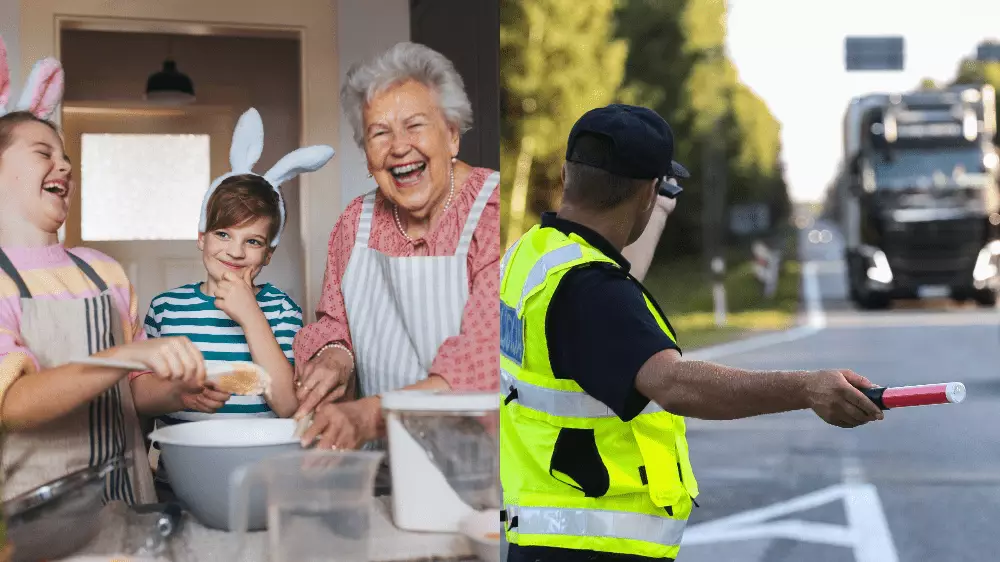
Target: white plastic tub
x: 423, y: 500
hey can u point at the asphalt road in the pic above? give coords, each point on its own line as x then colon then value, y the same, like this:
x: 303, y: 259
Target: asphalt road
x: 922, y: 485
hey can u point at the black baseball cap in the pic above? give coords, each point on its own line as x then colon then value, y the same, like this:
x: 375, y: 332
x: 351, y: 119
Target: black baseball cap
x: 642, y: 143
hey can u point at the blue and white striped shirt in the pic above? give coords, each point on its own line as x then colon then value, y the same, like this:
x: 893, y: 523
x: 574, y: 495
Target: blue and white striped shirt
x: 187, y: 311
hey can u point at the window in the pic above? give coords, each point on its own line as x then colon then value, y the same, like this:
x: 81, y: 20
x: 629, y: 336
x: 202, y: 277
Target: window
x: 142, y: 187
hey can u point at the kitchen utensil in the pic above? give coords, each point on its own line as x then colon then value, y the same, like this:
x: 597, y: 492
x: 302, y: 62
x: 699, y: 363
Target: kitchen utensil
x: 235, y: 377
x: 443, y: 458
x: 239, y: 377
x: 319, y: 503
x: 66, y: 508
x: 201, y: 456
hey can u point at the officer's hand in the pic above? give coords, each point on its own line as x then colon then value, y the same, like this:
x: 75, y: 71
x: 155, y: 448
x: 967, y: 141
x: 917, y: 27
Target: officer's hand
x: 666, y: 205
x: 835, y: 397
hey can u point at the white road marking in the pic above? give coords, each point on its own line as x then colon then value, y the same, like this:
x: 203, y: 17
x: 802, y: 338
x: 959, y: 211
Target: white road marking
x: 870, y: 530
x: 865, y: 516
x: 790, y: 529
x: 866, y: 533
x: 763, y: 514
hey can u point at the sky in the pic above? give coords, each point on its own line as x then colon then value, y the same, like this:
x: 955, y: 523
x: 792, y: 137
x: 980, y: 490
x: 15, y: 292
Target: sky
x: 791, y: 53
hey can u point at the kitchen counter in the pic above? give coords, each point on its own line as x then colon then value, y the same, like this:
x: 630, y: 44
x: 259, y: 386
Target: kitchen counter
x: 196, y: 543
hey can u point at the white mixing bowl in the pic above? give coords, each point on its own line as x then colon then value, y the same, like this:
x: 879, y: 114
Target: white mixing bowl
x: 201, y: 456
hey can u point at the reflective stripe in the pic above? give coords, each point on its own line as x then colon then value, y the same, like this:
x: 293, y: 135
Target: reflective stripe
x: 597, y: 523
x: 506, y: 258
x: 561, y: 403
x: 548, y: 261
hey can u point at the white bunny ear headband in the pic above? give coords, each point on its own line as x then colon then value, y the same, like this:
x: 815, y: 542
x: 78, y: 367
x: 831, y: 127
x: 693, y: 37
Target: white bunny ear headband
x: 42, y: 93
x: 248, y: 142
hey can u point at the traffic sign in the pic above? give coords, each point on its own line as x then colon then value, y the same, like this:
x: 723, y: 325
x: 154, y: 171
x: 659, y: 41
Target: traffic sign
x: 988, y: 51
x: 874, y: 53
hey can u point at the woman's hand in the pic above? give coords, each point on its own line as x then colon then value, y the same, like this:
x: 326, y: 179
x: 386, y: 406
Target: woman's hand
x: 208, y: 399
x: 347, y: 425
x: 171, y: 358
x: 325, y: 378
x: 237, y: 297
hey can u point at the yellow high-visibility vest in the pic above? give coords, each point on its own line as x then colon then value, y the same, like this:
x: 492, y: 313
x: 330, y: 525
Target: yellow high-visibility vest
x: 574, y: 474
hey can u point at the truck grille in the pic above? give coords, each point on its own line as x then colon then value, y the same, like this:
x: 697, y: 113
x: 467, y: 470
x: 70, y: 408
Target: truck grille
x: 939, y: 252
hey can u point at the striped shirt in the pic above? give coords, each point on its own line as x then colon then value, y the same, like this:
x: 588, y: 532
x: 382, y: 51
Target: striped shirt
x: 49, y: 273
x: 187, y: 311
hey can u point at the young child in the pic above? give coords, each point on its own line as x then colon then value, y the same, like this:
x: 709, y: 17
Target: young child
x: 59, y: 305
x: 227, y: 316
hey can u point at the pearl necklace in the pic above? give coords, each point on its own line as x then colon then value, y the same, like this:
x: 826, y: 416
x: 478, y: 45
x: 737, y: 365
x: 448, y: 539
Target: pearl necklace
x: 395, y: 208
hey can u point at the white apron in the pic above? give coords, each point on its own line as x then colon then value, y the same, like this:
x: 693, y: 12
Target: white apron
x: 57, y: 331
x: 401, y: 309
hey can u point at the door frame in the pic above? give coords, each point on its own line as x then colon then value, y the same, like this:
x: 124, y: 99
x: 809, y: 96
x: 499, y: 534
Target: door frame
x: 314, y: 24
x: 71, y: 231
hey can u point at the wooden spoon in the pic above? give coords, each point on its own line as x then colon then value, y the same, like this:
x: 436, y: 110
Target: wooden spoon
x: 235, y: 377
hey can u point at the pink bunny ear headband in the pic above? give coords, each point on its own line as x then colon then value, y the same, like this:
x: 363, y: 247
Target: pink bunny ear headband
x: 42, y: 93
x: 248, y: 142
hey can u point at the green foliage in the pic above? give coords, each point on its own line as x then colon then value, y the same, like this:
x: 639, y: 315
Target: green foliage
x: 976, y: 72
x: 560, y: 58
x: 677, y: 60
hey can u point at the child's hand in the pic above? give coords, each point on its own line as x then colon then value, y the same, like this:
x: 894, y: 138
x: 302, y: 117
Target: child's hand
x: 171, y: 358
x: 236, y: 296
x: 207, y: 400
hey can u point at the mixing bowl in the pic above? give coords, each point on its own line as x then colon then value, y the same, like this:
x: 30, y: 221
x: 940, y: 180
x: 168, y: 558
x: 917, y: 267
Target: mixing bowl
x: 200, y: 457
x: 67, y: 508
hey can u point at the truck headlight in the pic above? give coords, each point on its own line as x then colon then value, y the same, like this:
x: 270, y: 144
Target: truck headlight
x: 879, y: 271
x: 988, y: 262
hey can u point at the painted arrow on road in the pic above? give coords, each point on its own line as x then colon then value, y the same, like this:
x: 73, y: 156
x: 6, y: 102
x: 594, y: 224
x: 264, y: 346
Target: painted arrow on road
x: 866, y: 532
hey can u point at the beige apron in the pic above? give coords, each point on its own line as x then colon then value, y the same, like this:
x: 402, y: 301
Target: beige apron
x: 57, y: 331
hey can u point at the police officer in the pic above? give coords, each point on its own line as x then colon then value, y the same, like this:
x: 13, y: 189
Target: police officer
x: 594, y: 459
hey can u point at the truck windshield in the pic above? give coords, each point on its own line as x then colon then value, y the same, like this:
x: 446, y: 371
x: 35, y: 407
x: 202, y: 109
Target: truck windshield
x: 910, y: 166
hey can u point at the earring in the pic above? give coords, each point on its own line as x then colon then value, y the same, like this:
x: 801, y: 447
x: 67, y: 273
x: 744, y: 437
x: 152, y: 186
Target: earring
x: 454, y: 159
x: 369, y: 174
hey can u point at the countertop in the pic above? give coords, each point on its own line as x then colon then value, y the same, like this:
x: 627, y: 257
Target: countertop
x: 196, y: 543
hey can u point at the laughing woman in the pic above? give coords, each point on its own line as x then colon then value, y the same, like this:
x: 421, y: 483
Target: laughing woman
x: 409, y: 299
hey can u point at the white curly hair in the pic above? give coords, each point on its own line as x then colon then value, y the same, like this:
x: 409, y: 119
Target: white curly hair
x: 405, y: 61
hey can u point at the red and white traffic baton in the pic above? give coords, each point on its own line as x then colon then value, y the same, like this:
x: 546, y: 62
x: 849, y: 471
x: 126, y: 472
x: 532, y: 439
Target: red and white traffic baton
x: 920, y: 395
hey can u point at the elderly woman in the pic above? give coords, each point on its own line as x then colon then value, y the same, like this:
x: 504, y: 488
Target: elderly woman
x: 409, y: 299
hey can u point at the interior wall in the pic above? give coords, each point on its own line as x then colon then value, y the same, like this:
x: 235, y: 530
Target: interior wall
x: 10, y: 17
x: 316, y: 23
x: 468, y: 33
x: 240, y: 72
x: 364, y: 33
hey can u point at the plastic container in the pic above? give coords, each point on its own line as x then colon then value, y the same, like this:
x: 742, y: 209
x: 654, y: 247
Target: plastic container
x: 440, y: 442
x: 318, y: 502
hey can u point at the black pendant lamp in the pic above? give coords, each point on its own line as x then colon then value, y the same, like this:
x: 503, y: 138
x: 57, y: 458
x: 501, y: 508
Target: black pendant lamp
x: 170, y: 85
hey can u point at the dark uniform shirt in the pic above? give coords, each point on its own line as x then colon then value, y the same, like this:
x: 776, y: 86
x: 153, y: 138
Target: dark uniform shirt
x: 600, y: 333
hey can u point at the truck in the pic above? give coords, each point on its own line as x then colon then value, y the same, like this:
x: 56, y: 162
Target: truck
x: 918, y: 196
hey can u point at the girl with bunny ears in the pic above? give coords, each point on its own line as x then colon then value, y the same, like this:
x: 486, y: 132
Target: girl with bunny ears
x: 58, y: 305
x: 227, y: 316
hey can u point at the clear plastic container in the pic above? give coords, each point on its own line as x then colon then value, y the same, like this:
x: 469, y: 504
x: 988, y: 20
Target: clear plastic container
x: 318, y: 503
x: 443, y: 456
